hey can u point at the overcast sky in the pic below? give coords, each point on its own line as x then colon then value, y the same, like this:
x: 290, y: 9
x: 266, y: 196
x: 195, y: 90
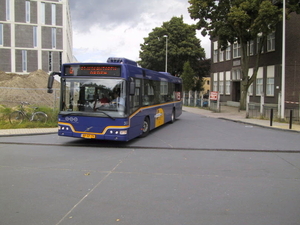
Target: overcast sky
x: 105, y: 28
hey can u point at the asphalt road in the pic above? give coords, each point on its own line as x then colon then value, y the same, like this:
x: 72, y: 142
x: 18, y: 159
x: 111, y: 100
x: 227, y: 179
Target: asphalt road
x: 198, y: 170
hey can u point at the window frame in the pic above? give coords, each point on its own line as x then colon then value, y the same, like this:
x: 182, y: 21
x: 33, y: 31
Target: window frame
x: 1, y: 35
x: 228, y: 53
x: 35, y: 36
x: 7, y: 10
x: 236, y: 50
x: 43, y: 13
x: 271, y: 42
x: 27, y: 11
x: 259, y: 82
x: 53, y: 14
x: 227, y: 83
x: 270, y: 86
x: 24, y: 60
x: 53, y: 37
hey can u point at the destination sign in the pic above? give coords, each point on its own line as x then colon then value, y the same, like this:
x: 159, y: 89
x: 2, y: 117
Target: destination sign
x: 92, y: 70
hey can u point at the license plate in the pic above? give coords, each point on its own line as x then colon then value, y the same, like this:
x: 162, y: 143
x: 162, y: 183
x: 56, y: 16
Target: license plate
x: 88, y: 136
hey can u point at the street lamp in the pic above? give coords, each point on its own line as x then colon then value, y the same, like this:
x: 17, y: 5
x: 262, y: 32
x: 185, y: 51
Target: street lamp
x: 166, y: 36
x: 283, y: 64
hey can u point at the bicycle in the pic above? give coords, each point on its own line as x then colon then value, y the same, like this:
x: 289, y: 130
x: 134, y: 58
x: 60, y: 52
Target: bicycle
x: 17, y: 117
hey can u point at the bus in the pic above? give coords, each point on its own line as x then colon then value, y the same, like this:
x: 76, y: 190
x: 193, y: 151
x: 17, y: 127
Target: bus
x: 116, y: 100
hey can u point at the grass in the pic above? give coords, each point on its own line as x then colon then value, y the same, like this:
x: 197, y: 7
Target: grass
x: 5, y: 124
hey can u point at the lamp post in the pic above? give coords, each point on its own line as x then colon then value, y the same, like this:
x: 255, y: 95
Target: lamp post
x: 166, y: 36
x: 283, y: 64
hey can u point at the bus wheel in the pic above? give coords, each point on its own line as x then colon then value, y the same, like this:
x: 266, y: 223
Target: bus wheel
x: 146, y: 127
x: 173, y: 116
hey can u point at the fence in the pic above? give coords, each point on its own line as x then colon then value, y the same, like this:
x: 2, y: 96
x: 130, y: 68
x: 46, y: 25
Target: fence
x: 11, y: 97
x: 194, y: 99
x: 256, y: 112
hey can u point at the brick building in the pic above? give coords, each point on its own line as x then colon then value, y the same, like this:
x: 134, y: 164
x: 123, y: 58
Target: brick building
x: 226, y: 67
x: 35, y: 34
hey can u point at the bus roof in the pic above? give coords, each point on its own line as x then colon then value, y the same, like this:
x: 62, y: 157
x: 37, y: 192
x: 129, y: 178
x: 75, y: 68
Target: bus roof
x: 121, y: 60
x: 134, y: 70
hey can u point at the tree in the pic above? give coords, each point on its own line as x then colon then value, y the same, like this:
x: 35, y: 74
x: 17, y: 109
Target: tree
x: 183, y: 46
x: 188, y: 77
x: 240, y: 21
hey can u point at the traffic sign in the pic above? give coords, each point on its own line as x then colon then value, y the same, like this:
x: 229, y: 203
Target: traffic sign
x: 213, y: 95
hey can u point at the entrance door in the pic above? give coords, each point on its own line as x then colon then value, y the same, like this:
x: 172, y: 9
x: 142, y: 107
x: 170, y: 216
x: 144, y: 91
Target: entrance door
x: 236, y: 91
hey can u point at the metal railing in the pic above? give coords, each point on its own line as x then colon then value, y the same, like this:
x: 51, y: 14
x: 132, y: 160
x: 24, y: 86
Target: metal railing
x: 272, y: 111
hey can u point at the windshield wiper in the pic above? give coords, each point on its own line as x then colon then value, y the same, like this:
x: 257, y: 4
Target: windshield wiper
x: 68, y: 114
x: 106, y: 114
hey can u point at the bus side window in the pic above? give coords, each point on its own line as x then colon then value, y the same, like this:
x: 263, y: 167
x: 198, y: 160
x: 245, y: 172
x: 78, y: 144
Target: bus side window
x: 148, y: 93
x: 135, y: 99
x: 178, y: 92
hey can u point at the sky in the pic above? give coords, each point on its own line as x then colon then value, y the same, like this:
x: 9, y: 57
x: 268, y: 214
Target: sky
x: 116, y: 28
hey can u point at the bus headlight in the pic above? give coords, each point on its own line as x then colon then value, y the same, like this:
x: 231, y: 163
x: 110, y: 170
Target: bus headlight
x: 123, y: 132
x: 63, y: 128
x: 118, y: 132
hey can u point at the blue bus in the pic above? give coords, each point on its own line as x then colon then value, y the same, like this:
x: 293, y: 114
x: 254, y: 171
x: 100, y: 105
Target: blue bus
x: 116, y: 100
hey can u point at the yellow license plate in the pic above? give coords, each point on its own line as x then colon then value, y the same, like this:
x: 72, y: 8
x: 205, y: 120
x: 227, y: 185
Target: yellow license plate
x: 88, y: 135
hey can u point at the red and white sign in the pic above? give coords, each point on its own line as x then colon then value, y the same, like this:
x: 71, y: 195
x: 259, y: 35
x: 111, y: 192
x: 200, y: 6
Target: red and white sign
x: 178, y: 96
x: 213, y: 95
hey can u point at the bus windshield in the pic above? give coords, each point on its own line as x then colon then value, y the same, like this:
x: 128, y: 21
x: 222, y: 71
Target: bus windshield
x: 94, y: 97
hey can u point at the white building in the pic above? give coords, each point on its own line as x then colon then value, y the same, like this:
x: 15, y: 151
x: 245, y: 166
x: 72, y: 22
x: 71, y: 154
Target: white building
x: 35, y: 34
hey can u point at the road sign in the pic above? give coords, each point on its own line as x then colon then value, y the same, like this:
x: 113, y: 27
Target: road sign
x: 213, y: 95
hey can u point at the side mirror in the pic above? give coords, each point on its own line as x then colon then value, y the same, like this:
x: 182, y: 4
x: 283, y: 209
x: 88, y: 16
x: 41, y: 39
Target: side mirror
x: 132, y: 87
x: 50, y: 81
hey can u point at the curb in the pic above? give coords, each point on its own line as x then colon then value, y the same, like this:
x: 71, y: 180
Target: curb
x: 258, y: 125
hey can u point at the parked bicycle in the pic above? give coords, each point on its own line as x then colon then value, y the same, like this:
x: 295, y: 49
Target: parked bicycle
x: 17, y: 117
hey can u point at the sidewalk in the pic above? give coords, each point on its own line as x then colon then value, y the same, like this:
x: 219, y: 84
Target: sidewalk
x: 227, y: 113
x: 27, y: 131
x: 233, y: 114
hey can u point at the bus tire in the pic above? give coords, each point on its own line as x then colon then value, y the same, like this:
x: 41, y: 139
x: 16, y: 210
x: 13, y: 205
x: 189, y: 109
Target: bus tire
x: 173, y: 116
x: 146, y: 127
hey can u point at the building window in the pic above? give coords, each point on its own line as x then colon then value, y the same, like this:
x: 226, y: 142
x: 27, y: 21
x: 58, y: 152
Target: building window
x: 27, y: 11
x: 221, y: 83
x: 228, y: 53
x: 24, y: 60
x: 271, y: 42
x: 259, y: 86
x: 35, y: 36
x: 7, y: 9
x: 60, y: 59
x: 1, y: 34
x: 250, y: 48
x: 215, y: 84
x: 270, y: 80
x: 50, y: 61
x: 53, y: 14
x: 270, y: 86
x: 227, y: 84
x: 236, y: 50
x: 221, y: 56
x: 215, y: 52
x: 257, y: 47
x: 42, y: 16
x: 236, y: 74
x: 53, y: 37
x: 250, y: 89
x: 259, y: 82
